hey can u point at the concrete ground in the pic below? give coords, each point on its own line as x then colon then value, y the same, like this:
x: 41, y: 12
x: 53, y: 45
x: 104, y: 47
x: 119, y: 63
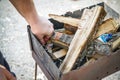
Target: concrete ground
x: 14, y: 41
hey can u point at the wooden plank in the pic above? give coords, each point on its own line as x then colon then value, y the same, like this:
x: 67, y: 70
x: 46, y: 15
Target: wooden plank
x: 67, y: 20
x: 89, y: 20
x: 59, y: 54
x: 109, y: 26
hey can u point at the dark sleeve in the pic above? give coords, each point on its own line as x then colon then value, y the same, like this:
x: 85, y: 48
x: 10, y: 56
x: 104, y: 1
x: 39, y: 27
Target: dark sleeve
x: 4, y: 62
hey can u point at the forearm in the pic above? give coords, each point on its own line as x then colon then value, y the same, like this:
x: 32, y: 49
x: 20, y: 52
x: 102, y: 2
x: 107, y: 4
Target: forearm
x: 27, y: 9
x: 40, y: 27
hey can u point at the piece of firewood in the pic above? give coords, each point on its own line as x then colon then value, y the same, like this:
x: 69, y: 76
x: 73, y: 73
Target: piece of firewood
x: 97, y: 55
x: 94, y: 57
x: 59, y: 54
x: 60, y: 44
x: 67, y: 20
x: 115, y: 44
x: 61, y: 39
x: 87, y: 26
x: 92, y: 60
x: 68, y: 32
x: 55, y: 48
x: 109, y: 26
x: 70, y: 28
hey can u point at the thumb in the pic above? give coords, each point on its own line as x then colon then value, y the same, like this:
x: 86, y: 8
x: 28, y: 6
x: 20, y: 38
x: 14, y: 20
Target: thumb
x: 40, y: 38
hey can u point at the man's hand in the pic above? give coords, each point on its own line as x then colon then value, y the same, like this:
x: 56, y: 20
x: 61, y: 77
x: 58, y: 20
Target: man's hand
x: 43, y: 29
x: 5, y: 74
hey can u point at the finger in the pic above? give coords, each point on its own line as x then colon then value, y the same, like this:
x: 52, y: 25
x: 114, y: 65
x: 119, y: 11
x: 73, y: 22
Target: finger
x: 8, y: 75
x: 42, y: 41
x: 2, y: 67
x: 46, y: 38
x: 40, y: 38
x: 2, y: 76
x: 50, y: 32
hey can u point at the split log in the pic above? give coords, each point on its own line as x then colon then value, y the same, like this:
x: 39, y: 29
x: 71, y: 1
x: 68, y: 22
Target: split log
x: 59, y: 54
x: 87, y: 26
x: 115, y: 44
x: 97, y: 55
x: 55, y: 48
x: 68, y: 32
x: 109, y: 26
x: 60, y: 44
x: 94, y: 57
x: 92, y: 60
x: 61, y: 39
x: 70, y: 28
x: 67, y: 20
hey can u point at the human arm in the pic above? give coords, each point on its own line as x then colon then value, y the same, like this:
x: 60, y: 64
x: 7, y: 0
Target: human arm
x: 41, y: 27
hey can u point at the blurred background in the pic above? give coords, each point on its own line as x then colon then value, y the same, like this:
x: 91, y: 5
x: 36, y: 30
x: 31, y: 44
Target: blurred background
x: 14, y: 43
